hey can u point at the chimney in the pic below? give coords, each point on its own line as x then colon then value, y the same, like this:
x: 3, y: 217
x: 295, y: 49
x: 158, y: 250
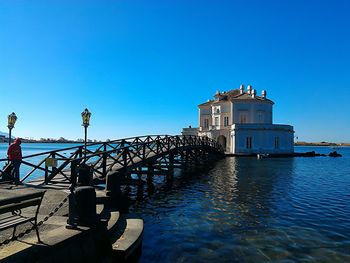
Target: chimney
x: 241, y: 89
x: 263, y: 94
x: 249, y: 89
x: 253, y: 93
x: 217, y: 95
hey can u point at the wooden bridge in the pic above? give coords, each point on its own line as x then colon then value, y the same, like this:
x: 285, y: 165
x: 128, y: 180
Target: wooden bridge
x: 112, y: 167
x: 114, y: 160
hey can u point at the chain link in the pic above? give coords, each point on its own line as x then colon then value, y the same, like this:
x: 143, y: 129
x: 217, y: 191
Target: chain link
x: 27, y: 231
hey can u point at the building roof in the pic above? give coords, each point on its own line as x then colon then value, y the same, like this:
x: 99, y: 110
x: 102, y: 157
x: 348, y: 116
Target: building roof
x: 233, y: 95
x: 246, y: 96
x: 208, y: 103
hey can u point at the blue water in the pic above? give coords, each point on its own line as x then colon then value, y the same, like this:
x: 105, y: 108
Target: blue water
x: 248, y: 210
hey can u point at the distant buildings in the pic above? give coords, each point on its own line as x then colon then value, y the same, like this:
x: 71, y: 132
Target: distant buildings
x: 241, y: 121
x: 4, y: 138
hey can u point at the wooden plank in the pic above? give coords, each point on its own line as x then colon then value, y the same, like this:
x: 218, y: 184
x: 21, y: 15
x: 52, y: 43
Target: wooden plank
x: 15, y: 222
x: 20, y: 205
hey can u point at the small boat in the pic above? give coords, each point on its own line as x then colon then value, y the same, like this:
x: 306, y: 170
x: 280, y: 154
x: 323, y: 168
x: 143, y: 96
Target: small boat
x: 262, y: 155
x: 334, y: 154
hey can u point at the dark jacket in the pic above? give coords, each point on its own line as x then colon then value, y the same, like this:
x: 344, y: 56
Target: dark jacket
x: 14, y: 151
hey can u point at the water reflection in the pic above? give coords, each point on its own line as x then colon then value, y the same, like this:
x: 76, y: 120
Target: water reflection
x: 246, y: 188
x: 249, y: 210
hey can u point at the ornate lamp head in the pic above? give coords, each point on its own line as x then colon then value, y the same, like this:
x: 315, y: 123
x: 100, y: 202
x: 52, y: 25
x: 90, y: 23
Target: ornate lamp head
x: 11, y: 120
x: 86, y: 117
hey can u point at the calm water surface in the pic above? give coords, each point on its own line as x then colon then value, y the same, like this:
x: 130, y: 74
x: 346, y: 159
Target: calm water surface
x: 248, y: 210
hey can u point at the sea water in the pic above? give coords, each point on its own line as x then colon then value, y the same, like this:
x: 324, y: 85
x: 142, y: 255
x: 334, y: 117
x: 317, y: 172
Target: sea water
x: 242, y: 209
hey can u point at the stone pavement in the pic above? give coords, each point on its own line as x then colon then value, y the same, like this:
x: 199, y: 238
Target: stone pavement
x: 51, y: 200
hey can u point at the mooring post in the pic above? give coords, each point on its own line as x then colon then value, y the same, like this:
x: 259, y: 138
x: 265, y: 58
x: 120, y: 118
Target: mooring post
x: 113, y: 189
x: 82, y: 207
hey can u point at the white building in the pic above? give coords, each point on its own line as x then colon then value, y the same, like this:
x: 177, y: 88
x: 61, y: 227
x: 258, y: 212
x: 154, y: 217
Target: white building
x: 242, y: 122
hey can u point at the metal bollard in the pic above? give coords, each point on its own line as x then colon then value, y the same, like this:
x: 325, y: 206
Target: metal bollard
x: 82, y: 207
x: 85, y: 175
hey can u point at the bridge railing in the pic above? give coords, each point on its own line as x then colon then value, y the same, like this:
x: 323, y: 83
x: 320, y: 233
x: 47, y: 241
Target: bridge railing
x: 102, y: 157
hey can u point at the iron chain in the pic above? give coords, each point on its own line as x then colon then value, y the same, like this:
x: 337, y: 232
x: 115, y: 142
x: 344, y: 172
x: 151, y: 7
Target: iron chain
x: 27, y: 231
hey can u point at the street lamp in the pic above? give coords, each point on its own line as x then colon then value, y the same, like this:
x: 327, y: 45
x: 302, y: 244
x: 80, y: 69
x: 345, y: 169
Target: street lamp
x: 86, y: 122
x: 11, y: 120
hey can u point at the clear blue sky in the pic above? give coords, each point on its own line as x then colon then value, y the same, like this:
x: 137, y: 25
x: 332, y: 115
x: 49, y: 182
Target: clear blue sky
x: 142, y: 67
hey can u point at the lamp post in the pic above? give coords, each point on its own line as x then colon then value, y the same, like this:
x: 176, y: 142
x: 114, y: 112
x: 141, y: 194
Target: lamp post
x: 11, y: 120
x: 86, y: 122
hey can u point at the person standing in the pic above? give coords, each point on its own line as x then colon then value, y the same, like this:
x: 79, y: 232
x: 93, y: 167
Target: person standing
x: 14, y: 154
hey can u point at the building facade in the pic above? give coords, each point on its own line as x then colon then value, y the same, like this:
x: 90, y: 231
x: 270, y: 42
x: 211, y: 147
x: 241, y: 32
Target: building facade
x: 242, y: 123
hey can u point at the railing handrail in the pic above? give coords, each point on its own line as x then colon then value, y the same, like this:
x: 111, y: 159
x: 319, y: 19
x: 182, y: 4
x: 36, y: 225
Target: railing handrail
x: 81, y: 145
x: 126, y: 145
x: 101, y: 143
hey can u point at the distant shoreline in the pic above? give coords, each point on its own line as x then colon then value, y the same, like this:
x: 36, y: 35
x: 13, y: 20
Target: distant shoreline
x: 327, y: 144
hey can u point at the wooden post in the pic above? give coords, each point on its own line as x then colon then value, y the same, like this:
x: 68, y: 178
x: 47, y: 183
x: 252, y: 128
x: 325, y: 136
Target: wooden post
x: 150, y: 171
x: 80, y: 152
x: 139, y: 184
x: 46, y: 173
x: 54, y: 169
x: 196, y: 156
x: 104, y: 160
x: 171, y: 164
x: 187, y: 156
x: 168, y: 142
x: 139, y: 173
x: 144, y: 151
x: 157, y: 142
x: 170, y: 173
x: 73, y: 173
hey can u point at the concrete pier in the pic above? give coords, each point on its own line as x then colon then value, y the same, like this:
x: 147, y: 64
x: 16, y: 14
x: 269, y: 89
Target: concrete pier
x: 112, y: 239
